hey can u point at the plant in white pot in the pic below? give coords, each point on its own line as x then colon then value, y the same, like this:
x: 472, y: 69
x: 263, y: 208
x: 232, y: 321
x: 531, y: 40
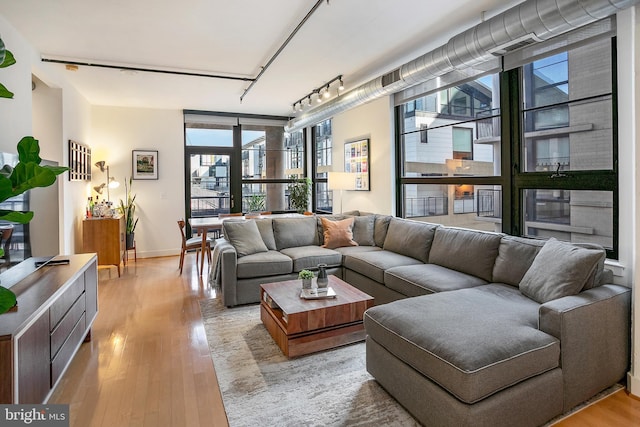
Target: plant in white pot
x: 128, y: 210
x: 25, y: 175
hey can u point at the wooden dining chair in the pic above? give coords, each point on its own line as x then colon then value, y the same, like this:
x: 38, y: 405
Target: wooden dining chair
x: 191, y: 244
x: 227, y: 215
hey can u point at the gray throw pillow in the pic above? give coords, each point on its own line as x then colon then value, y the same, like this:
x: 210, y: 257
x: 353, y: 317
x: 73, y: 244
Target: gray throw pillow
x: 245, y: 237
x: 363, y: 230
x: 410, y: 238
x: 560, y: 269
x: 266, y: 231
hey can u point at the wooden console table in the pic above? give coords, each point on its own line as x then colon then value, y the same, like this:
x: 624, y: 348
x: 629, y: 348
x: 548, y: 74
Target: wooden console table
x: 106, y: 237
x: 57, y: 305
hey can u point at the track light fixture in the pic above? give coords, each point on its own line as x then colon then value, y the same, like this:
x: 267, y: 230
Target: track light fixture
x: 323, y: 91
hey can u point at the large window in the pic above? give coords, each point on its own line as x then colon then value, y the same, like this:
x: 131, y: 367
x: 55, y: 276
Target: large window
x: 551, y: 174
x: 240, y: 163
x: 450, y: 145
x: 322, y: 147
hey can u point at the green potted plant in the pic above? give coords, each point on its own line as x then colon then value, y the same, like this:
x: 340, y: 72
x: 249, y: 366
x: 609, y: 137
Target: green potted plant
x: 306, y: 276
x: 256, y: 203
x: 299, y: 192
x: 128, y: 210
x: 25, y: 175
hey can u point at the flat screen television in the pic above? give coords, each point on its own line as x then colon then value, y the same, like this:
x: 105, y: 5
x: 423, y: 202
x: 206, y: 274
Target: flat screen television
x: 37, y: 241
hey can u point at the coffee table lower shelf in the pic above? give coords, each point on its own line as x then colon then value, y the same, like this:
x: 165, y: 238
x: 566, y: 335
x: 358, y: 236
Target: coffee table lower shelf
x: 310, y: 342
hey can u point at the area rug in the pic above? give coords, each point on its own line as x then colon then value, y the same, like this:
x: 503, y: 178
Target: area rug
x: 260, y: 386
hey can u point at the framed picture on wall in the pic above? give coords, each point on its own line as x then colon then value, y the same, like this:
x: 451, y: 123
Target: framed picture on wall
x: 144, y: 164
x: 356, y: 160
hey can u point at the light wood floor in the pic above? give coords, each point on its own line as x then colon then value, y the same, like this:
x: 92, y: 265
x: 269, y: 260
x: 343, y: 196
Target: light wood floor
x: 148, y: 363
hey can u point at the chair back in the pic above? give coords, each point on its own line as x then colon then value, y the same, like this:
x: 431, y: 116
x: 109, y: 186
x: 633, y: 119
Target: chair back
x: 227, y: 215
x: 181, y: 225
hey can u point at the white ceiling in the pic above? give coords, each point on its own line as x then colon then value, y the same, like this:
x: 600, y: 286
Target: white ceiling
x: 359, y: 39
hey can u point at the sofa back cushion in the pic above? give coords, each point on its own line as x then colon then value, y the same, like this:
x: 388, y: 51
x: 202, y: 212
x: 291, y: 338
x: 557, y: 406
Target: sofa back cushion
x: 468, y: 251
x: 293, y: 232
x: 410, y: 238
x: 561, y: 269
x: 245, y: 237
x: 515, y: 256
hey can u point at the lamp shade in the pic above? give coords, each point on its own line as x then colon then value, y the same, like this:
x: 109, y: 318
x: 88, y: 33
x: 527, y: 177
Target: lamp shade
x: 341, y: 181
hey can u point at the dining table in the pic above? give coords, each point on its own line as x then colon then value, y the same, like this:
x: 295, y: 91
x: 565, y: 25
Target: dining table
x: 202, y: 225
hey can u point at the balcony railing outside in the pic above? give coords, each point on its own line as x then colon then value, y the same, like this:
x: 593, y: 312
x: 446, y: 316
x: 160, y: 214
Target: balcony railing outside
x: 489, y: 203
x: 426, y: 206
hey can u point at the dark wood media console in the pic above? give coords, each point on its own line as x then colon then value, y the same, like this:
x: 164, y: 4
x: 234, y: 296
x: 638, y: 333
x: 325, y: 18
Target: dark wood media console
x: 57, y: 305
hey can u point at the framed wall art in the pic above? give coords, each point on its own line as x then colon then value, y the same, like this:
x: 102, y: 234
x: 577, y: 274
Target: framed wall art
x: 145, y: 164
x: 79, y: 161
x: 356, y: 160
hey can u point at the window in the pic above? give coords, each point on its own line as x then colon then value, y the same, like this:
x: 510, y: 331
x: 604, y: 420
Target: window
x: 322, y: 147
x: 450, y: 140
x: 560, y: 180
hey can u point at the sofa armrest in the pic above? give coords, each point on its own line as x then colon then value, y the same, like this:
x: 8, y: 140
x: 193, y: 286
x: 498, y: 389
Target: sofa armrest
x: 594, y: 332
x: 228, y: 268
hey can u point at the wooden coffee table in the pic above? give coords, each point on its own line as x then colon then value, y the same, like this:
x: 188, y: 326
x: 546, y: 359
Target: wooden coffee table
x: 301, y: 326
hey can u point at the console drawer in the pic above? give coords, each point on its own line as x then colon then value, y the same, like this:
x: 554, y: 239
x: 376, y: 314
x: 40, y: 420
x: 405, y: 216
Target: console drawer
x: 64, y: 328
x: 59, y: 363
x: 66, y: 300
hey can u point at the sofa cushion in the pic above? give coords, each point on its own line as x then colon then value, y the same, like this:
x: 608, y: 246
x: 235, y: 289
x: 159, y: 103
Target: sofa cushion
x: 266, y: 231
x: 245, y: 237
x: 560, y: 269
x: 350, y: 250
x: 270, y: 263
x: 414, y: 280
x: 308, y: 257
x: 294, y: 232
x: 474, y: 343
x: 469, y: 251
x: 410, y: 238
x: 363, y: 227
x: 373, y: 264
x: 337, y: 234
x: 515, y: 255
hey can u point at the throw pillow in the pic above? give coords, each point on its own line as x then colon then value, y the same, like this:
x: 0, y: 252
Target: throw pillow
x: 363, y: 227
x: 560, y: 269
x: 245, y: 237
x: 338, y: 234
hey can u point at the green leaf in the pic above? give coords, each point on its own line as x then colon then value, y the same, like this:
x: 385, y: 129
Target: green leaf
x: 8, y: 60
x: 15, y: 216
x: 7, y: 299
x: 29, y: 150
x: 4, y: 92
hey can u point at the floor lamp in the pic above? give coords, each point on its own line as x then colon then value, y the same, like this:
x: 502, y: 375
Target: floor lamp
x: 341, y: 181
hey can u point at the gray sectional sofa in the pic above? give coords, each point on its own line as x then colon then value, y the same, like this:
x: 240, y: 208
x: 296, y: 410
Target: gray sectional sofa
x: 470, y: 328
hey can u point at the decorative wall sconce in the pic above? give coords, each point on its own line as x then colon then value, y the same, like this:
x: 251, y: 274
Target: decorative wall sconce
x: 319, y: 93
x: 111, y: 181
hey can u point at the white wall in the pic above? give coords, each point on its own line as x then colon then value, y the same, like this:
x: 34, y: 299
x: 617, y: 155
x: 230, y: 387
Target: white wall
x: 72, y: 117
x: 159, y: 203
x: 375, y: 122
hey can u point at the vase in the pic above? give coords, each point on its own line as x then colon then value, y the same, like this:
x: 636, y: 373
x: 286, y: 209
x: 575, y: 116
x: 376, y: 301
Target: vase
x: 323, y: 280
x: 306, y: 283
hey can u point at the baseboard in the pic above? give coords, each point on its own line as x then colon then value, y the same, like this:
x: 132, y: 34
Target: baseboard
x: 633, y: 384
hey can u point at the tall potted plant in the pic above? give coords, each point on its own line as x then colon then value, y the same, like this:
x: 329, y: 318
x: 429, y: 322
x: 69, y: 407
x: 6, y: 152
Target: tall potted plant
x: 128, y: 210
x: 299, y: 192
x: 25, y: 175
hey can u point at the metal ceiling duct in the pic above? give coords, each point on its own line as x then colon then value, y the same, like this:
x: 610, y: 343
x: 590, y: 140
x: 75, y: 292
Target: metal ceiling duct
x: 529, y: 22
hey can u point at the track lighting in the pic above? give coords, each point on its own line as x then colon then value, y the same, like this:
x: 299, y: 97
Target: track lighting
x: 323, y: 91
